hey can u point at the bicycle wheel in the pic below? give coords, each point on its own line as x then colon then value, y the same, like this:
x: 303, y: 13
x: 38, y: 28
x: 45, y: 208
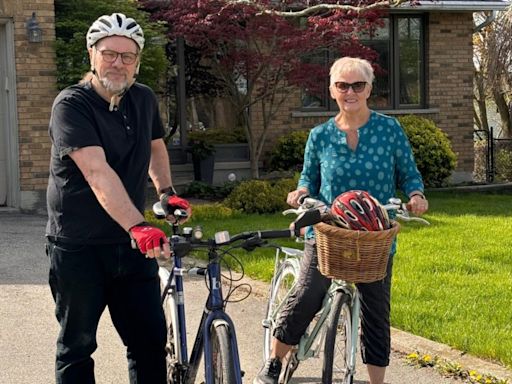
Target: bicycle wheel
x: 338, y: 341
x: 174, y: 375
x: 223, y: 368
x: 284, y: 280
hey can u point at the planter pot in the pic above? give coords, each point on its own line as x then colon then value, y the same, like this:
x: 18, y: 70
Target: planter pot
x: 231, y: 152
x: 177, y: 155
x: 203, y: 169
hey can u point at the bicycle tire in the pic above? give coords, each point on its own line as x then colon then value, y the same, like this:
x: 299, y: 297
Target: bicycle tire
x: 174, y: 375
x: 338, y: 342
x: 223, y: 367
x: 285, y: 278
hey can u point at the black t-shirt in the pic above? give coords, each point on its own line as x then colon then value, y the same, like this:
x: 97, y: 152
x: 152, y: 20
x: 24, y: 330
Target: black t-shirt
x: 81, y: 118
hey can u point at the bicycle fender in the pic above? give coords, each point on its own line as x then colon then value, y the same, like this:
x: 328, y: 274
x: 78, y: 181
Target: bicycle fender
x: 218, y: 322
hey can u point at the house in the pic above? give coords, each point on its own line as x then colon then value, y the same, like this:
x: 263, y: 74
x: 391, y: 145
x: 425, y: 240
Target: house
x: 27, y: 90
x: 427, y: 54
x: 426, y: 51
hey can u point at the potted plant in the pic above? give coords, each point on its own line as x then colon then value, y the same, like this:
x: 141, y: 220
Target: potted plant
x: 215, y: 144
x: 203, y: 152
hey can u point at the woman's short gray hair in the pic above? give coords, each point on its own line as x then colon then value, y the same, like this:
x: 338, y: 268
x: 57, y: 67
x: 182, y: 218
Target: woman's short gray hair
x: 349, y: 64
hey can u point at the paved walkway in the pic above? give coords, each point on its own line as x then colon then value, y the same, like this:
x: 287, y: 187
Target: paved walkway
x: 28, y: 327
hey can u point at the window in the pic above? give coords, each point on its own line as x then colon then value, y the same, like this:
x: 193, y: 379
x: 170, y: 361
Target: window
x: 400, y: 82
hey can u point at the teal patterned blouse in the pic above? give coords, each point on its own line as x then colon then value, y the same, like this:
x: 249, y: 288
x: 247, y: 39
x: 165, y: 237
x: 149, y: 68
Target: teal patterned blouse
x: 382, y: 161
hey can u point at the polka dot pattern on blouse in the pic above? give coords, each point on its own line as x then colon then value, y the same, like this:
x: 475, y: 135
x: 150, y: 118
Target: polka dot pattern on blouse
x: 381, y: 163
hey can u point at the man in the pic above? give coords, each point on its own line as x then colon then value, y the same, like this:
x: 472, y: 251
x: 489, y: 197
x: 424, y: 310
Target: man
x: 106, y: 137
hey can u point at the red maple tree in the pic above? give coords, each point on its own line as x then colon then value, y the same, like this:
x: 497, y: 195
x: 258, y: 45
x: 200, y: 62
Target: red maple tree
x: 260, y: 56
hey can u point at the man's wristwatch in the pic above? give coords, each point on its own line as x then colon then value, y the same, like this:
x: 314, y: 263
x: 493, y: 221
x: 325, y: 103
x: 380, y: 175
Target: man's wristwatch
x: 421, y: 195
x: 170, y: 191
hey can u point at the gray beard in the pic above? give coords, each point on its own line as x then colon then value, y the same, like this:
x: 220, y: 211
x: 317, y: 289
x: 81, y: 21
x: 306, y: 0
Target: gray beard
x: 113, y: 87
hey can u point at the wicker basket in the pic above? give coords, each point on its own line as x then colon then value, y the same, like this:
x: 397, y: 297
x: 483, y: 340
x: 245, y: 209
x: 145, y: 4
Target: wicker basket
x: 355, y: 256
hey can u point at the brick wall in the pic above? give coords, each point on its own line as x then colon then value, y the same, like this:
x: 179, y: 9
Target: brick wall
x: 451, y: 71
x: 36, y: 89
x: 450, y: 90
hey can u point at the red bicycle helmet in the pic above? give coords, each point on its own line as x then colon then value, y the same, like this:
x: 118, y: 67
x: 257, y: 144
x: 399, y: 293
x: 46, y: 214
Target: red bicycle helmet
x: 360, y: 211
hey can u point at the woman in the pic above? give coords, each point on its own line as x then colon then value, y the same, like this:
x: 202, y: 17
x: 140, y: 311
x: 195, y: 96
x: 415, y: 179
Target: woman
x: 357, y: 149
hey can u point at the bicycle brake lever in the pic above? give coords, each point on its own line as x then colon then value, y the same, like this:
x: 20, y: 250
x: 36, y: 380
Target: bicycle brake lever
x: 407, y: 218
x: 420, y: 220
x: 250, y: 244
x: 291, y: 210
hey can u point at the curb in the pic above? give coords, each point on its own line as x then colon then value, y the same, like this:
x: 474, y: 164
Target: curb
x: 407, y: 343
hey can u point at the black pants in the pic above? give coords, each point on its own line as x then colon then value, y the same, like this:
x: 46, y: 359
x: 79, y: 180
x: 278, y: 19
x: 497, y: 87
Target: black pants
x: 84, y: 279
x: 307, y: 299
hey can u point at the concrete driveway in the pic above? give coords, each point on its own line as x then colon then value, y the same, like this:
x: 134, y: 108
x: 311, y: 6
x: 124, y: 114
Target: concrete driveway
x: 28, y: 328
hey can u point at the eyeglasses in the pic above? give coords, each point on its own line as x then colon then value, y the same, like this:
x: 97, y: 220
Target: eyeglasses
x: 357, y: 87
x: 126, y: 57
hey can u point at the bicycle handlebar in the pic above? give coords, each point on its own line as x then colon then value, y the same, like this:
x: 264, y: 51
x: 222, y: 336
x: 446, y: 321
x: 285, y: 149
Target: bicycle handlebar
x: 394, y: 204
x: 310, y: 212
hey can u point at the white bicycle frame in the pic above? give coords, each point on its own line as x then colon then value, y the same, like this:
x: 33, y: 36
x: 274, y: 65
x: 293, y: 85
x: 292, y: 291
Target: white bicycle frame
x: 311, y: 342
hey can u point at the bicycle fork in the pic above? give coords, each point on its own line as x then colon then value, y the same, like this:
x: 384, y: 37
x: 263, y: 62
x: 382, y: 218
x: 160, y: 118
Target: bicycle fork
x: 356, y: 306
x: 215, y: 316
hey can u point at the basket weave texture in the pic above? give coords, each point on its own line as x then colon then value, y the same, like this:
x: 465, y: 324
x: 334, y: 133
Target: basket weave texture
x: 355, y: 256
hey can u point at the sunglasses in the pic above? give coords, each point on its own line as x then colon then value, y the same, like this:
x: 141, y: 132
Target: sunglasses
x: 343, y: 87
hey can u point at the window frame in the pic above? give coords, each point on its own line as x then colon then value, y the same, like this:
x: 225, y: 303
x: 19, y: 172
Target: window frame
x: 394, y: 85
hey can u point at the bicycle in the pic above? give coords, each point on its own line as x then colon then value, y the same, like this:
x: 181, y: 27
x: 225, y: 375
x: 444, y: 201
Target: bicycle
x: 335, y: 327
x: 216, y: 335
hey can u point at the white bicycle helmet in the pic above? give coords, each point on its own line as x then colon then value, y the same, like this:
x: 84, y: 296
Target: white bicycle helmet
x: 116, y: 24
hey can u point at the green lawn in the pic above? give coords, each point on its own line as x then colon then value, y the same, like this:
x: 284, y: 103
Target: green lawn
x: 452, y: 281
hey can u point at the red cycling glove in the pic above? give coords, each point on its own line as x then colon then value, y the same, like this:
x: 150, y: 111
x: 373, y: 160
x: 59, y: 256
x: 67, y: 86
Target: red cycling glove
x: 171, y: 202
x: 147, y: 237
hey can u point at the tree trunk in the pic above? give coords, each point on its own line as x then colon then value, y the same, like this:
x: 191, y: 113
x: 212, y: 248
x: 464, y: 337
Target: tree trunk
x: 503, y: 109
x: 480, y: 100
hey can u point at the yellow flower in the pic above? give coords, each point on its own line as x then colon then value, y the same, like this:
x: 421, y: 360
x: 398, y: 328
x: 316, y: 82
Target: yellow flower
x: 472, y: 372
x: 412, y: 355
x: 427, y: 358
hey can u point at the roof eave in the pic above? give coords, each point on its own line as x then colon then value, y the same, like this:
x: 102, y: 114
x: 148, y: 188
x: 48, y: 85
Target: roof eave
x: 456, y: 6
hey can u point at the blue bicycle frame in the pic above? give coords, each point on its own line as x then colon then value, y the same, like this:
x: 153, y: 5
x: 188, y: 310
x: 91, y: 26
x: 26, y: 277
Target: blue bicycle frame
x: 212, y: 316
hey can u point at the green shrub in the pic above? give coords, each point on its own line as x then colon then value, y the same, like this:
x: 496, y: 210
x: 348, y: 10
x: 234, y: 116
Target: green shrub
x: 504, y: 165
x: 288, y: 153
x: 200, y: 212
x: 215, y: 211
x: 431, y: 148
x: 283, y: 186
x: 202, y: 190
x: 257, y: 196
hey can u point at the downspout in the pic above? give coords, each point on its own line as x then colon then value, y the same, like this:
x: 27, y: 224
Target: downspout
x: 488, y: 20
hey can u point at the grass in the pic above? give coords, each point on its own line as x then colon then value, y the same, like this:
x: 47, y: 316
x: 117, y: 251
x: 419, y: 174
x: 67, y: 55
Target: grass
x: 452, y: 281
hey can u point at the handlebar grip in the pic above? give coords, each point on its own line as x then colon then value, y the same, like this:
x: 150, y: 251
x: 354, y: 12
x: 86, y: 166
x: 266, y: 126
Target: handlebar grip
x: 197, y: 271
x: 276, y: 234
x: 301, y: 198
x: 310, y: 217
